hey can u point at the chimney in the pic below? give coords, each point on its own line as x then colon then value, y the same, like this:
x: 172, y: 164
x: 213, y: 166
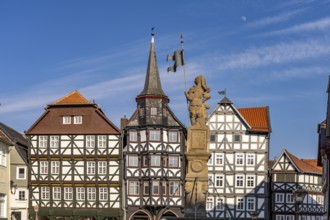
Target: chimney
x: 123, y: 122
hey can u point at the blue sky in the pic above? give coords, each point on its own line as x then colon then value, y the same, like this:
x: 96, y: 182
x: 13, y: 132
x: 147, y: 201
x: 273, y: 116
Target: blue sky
x: 265, y: 53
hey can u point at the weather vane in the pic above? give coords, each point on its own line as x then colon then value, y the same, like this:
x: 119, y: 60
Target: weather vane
x: 152, y: 31
x: 223, y: 92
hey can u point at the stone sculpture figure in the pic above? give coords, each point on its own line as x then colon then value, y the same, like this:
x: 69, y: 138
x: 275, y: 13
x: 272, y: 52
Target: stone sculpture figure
x: 196, y: 96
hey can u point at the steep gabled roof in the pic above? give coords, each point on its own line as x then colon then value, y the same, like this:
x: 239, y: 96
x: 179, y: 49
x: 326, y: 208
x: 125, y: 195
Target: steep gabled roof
x: 73, y: 98
x: 257, y: 117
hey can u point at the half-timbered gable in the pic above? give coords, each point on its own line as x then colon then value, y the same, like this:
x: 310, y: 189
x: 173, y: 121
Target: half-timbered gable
x: 153, y: 153
x: 287, y: 174
x: 239, y: 144
x: 75, y: 156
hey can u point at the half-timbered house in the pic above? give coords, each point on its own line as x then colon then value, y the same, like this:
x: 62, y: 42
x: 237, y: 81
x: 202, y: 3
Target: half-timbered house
x: 238, y: 167
x: 153, y: 153
x: 287, y: 174
x: 74, y: 162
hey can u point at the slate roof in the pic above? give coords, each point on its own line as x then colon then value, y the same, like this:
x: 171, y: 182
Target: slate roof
x: 18, y: 140
x: 257, y: 117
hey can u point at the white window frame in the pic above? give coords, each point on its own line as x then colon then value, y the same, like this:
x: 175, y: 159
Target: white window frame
x: 219, y: 204
x: 102, y: 167
x: 173, y: 136
x: 240, y: 203
x: 250, y: 159
x: 249, y: 180
x: 56, y: 193
x: 280, y: 217
x: 155, y: 160
x: 80, y: 193
x: 239, y: 159
x: 133, y: 136
x: 3, y: 205
x: 279, y: 197
x: 91, y: 193
x: 218, y: 159
x: 209, y: 203
x: 43, y: 140
x: 3, y: 156
x: 18, y: 173
x: 54, y: 141
x: 133, y: 161
x: 153, y: 111
x: 90, y: 167
x: 43, y: 167
x: 173, y: 161
x: 21, y: 195
x: 90, y: 141
x: 55, y: 167
x: 174, y: 188
x: 146, y: 188
x: 250, y: 201
x: 289, y: 198
x: 154, y: 135
x: 67, y: 119
x: 78, y: 119
x: 219, y: 180
x: 44, y: 191
x: 155, y: 187
x: 133, y: 188
x: 103, y: 193
x: 239, y: 181
x: 101, y: 141
x: 291, y: 217
x: 68, y: 193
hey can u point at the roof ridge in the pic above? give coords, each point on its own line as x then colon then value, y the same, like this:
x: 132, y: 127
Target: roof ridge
x: 73, y: 97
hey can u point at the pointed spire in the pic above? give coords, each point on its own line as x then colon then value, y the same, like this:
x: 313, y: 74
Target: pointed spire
x: 152, y: 85
x: 328, y: 111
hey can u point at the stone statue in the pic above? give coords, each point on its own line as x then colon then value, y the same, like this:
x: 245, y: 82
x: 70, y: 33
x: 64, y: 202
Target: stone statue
x: 196, y: 96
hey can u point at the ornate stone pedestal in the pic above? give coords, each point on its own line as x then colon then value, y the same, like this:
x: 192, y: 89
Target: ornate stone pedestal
x: 197, y: 154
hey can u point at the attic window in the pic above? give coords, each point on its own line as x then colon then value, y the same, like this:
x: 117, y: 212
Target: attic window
x: 77, y: 119
x: 153, y: 111
x: 66, y: 119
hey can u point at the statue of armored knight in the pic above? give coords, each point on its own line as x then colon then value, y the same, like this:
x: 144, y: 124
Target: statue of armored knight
x: 196, y: 96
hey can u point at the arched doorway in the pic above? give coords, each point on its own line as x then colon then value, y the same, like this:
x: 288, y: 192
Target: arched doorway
x: 168, y: 215
x: 140, y: 215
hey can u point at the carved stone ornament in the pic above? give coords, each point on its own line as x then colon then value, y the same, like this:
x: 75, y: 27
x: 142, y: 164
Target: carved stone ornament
x: 196, y: 97
x: 197, y: 166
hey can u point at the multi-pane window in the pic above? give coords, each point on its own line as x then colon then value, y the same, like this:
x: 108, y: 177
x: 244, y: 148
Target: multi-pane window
x: 219, y: 204
x: 279, y: 197
x: 240, y: 204
x: 43, y: 167
x: 250, y: 181
x: 80, y: 193
x: 90, y: 141
x: 218, y: 158
x: 3, y: 155
x: 239, y: 159
x: 66, y: 119
x: 102, y: 167
x: 54, y: 141
x: 250, y: 203
x: 250, y: 159
x: 154, y: 135
x: 133, y: 136
x: 21, y: 195
x: 133, y: 161
x: 91, y: 193
x: 153, y: 111
x: 289, y: 198
x: 77, y: 119
x: 173, y: 136
x: 173, y: 161
x: 291, y: 217
x: 146, y: 188
x: 21, y: 174
x: 239, y: 181
x: 145, y: 161
x: 56, y: 193
x: 103, y: 193
x: 133, y: 188
x: 155, y: 160
x: 219, y: 180
x: 102, y: 141
x: 55, y: 167
x: 43, y: 141
x: 45, y: 193
x: 209, y: 203
x: 3, y: 208
x: 68, y: 193
x: 280, y: 217
x: 155, y: 187
x: 90, y: 167
x: 163, y: 192
x: 174, y: 188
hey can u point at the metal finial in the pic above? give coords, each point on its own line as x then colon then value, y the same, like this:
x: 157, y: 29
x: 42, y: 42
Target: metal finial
x: 181, y: 39
x: 152, y: 31
x: 223, y: 92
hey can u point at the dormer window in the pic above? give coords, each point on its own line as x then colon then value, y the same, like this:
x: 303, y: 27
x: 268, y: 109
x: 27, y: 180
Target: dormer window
x: 153, y: 111
x: 66, y: 120
x: 77, y: 119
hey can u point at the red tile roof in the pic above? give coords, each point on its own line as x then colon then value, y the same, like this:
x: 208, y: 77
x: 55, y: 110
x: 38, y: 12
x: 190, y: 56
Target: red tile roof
x: 258, y: 118
x: 73, y: 98
x: 305, y: 165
